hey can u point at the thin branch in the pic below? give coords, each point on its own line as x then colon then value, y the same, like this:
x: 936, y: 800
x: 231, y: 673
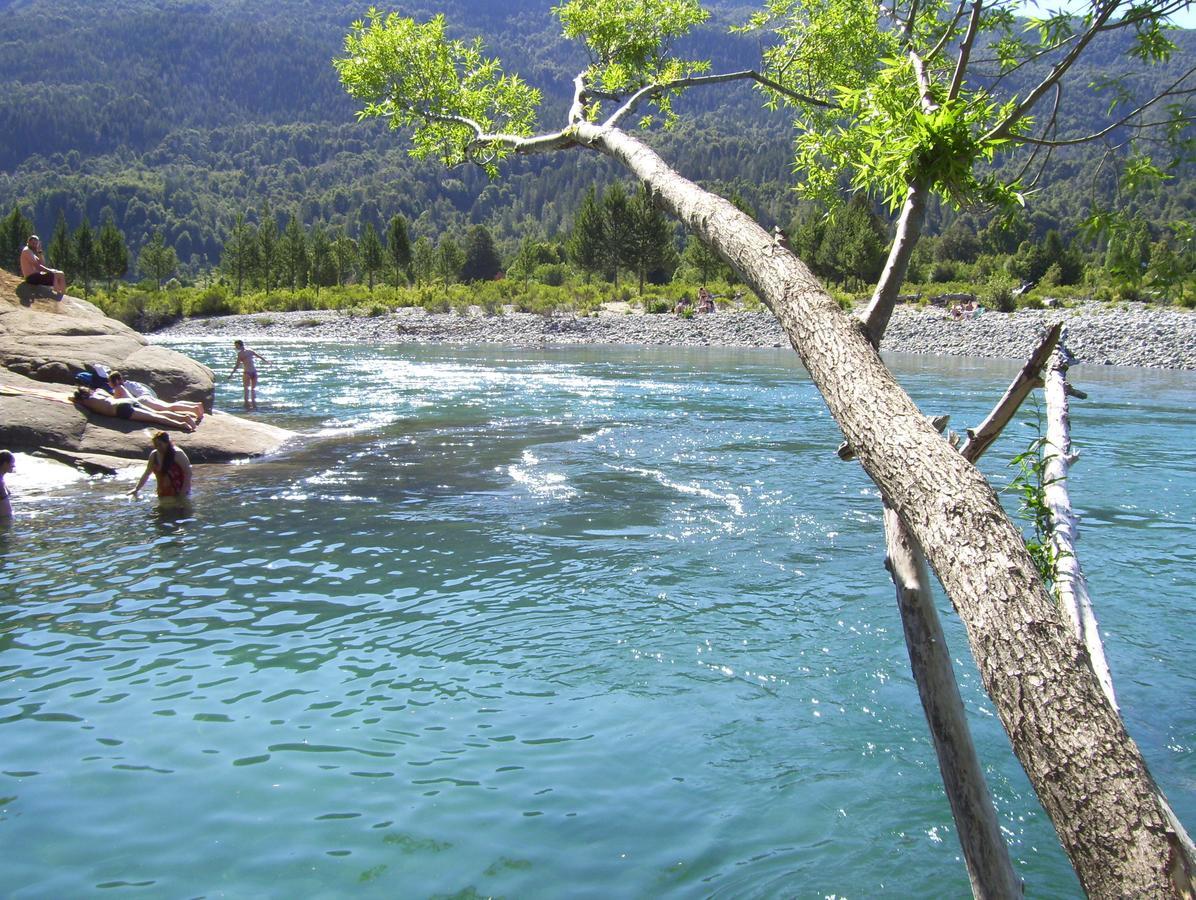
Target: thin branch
x: 1029, y: 378
x: 950, y: 29
x: 965, y: 49
x: 650, y: 90
x: 1057, y: 71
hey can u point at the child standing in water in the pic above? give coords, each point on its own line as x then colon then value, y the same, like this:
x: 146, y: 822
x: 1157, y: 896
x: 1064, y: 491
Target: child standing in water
x: 244, y: 362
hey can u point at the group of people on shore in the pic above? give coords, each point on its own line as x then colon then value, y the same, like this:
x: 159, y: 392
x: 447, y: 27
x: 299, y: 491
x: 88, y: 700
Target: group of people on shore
x: 705, y: 303
x: 124, y: 399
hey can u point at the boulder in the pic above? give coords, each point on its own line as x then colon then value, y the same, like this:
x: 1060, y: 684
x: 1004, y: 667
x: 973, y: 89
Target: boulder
x: 44, y: 342
x: 35, y: 415
x: 53, y: 340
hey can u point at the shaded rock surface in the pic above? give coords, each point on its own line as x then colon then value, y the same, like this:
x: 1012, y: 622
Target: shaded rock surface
x: 1149, y: 337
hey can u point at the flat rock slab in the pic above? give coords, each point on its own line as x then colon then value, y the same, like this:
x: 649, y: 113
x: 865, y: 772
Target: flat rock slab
x: 36, y: 415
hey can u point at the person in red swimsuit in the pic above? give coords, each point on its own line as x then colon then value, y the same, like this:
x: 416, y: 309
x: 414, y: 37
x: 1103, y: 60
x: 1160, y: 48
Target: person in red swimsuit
x: 170, y: 466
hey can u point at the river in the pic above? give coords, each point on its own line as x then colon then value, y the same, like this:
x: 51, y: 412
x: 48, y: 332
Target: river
x: 585, y: 622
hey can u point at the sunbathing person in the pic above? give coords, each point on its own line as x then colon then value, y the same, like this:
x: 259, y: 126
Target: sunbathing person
x: 105, y: 405
x: 120, y: 391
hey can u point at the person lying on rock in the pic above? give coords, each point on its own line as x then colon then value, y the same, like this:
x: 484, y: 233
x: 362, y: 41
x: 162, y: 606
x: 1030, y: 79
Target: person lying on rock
x: 120, y: 391
x: 35, y: 271
x: 105, y: 405
x: 170, y: 467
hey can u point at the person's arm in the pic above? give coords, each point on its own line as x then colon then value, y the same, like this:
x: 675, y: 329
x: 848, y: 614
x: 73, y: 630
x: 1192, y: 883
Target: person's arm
x: 149, y: 468
x: 185, y: 467
x: 236, y: 366
x: 259, y: 356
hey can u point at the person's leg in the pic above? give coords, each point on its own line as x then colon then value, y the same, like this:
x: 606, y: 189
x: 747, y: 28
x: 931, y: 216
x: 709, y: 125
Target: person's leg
x: 253, y: 389
x: 245, y: 380
x: 60, y: 284
x: 162, y: 419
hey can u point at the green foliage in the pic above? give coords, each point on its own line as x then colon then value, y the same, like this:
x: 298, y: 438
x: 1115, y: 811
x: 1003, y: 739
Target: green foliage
x: 370, y: 248
x: 630, y: 43
x: 157, y: 261
x: 481, y: 262
x: 14, y: 231
x: 1029, y: 486
x: 412, y: 75
x: 398, y: 249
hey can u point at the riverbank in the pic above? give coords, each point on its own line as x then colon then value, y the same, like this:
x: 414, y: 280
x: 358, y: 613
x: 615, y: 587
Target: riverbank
x: 1095, y: 334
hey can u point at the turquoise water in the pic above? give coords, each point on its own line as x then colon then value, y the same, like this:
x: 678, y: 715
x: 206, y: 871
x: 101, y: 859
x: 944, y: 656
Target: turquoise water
x: 582, y: 623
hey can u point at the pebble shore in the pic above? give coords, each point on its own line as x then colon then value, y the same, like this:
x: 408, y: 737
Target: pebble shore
x: 1095, y: 334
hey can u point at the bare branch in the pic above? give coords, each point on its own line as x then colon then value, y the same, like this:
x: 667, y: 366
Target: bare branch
x: 965, y: 49
x: 650, y: 90
x: 950, y: 29
x: 884, y: 298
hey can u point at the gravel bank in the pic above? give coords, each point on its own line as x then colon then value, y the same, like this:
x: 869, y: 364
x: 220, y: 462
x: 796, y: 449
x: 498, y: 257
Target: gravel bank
x: 1151, y: 338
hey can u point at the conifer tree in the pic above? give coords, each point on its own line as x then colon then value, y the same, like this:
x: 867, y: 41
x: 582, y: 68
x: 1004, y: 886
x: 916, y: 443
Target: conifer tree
x: 344, y: 255
x: 61, y: 252
x: 319, y: 252
x: 423, y: 260
x: 240, y: 253
x: 481, y: 262
x: 83, y: 253
x: 292, y: 254
x: 157, y: 260
x: 587, y: 243
x: 371, y: 253
x: 112, y: 254
x: 14, y: 231
x: 617, y: 225
x: 267, y: 248
x: 449, y: 260
x: 650, y: 237
x: 398, y: 249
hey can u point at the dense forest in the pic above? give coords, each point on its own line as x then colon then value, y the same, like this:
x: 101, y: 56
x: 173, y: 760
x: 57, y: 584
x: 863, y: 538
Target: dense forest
x: 173, y: 117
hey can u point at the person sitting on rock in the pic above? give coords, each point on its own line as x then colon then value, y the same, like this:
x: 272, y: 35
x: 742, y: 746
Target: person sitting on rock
x: 170, y: 467
x: 121, y: 391
x: 35, y: 271
x: 106, y: 405
x: 705, y: 301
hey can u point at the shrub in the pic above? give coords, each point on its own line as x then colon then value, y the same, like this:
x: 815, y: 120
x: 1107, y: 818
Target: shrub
x: 552, y: 274
x: 657, y: 305
x: 210, y: 301
x: 1000, y: 295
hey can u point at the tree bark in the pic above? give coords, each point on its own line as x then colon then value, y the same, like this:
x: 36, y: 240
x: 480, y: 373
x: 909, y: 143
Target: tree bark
x: 1087, y: 771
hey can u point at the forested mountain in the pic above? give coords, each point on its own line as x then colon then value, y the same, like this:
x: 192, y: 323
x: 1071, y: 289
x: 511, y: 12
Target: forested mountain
x: 180, y: 114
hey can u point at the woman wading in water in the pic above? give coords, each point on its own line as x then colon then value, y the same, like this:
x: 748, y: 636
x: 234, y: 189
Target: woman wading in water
x: 169, y: 465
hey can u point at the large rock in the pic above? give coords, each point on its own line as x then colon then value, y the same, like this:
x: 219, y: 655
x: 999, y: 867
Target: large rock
x: 34, y: 414
x: 44, y: 342
x: 52, y: 340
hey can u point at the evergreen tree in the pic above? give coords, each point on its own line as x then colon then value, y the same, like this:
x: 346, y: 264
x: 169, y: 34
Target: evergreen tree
x: 292, y: 254
x: 240, y: 253
x: 14, y: 231
x: 650, y: 237
x: 398, y: 249
x: 616, y: 214
x: 854, y: 244
x: 319, y: 252
x: 587, y: 243
x: 267, y: 248
x: 157, y: 261
x: 84, y: 256
x: 61, y: 252
x: 112, y: 254
x: 449, y: 260
x: 702, y: 260
x: 526, y: 259
x: 481, y: 261
x: 344, y: 256
x: 372, y: 257
x: 423, y: 260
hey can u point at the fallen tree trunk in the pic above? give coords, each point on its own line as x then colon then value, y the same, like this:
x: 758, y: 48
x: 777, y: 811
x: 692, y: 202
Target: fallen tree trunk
x: 1087, y: 771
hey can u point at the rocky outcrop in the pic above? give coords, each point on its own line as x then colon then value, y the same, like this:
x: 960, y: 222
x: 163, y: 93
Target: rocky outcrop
x: 52, y: 340
x: 44, y: 342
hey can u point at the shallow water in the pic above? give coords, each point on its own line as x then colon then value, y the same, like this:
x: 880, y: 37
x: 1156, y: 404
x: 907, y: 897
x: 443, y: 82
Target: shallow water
x: 536, y: 624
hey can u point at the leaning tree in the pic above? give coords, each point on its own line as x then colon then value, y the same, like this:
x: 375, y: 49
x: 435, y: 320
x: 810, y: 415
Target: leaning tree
x: 906, y: 100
